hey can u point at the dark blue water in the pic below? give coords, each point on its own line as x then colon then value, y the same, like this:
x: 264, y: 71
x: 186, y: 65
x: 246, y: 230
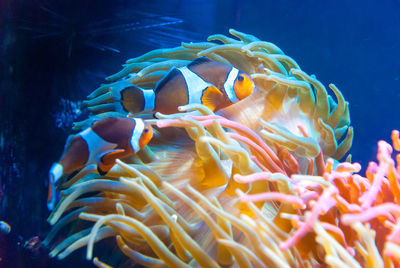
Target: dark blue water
x: 53, y: 54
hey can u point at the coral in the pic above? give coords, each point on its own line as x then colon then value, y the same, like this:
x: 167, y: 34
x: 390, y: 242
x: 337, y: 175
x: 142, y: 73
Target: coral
x: 257, y: 184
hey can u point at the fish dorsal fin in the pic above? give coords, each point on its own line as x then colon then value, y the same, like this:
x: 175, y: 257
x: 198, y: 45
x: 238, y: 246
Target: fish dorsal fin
x: 173, y: 72
x: 104, y: 122
x: 132, y: 99
x: 211, y: 97
x: 199, y: 61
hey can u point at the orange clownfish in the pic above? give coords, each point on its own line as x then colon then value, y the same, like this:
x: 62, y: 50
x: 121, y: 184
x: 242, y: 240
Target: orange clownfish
x: 101, y: 144
x: 213, y: 84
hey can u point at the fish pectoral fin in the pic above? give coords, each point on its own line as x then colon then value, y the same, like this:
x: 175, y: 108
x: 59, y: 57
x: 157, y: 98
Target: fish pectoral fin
x: 108, y: 157
x: 211, y: 97
x: 103, y: 169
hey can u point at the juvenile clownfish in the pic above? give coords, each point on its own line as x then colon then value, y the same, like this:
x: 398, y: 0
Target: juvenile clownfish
x: 5, y: 228
x: 213, y: 84
x: 101, y: 144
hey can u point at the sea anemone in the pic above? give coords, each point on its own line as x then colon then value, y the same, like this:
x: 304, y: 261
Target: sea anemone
x: 256, y: 184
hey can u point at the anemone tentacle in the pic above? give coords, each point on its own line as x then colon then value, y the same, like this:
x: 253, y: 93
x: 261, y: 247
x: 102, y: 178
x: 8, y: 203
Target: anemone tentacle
x: 258, y: 183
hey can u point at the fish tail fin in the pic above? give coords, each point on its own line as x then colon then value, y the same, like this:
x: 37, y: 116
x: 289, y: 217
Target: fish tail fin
x: 55, y: 174
x: 132, y: 99
x: 51, y: 196
x: 211, y: 97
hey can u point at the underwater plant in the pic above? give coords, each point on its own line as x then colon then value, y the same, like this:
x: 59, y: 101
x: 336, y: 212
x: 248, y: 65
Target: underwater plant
x: 256, y: 184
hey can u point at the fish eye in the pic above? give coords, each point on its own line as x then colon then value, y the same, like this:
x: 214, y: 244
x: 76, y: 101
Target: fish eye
x: 240, y: 78
x: 146, y: 130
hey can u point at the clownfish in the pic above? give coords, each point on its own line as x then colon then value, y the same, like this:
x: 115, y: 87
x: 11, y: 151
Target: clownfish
x: 100, y: 144
x: 213, y: 84
x: 5, y: 228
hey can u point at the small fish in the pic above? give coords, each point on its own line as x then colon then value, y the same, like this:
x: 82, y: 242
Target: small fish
x: 5, y: 228
x: 101, y: 144
x: 213, y: 84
